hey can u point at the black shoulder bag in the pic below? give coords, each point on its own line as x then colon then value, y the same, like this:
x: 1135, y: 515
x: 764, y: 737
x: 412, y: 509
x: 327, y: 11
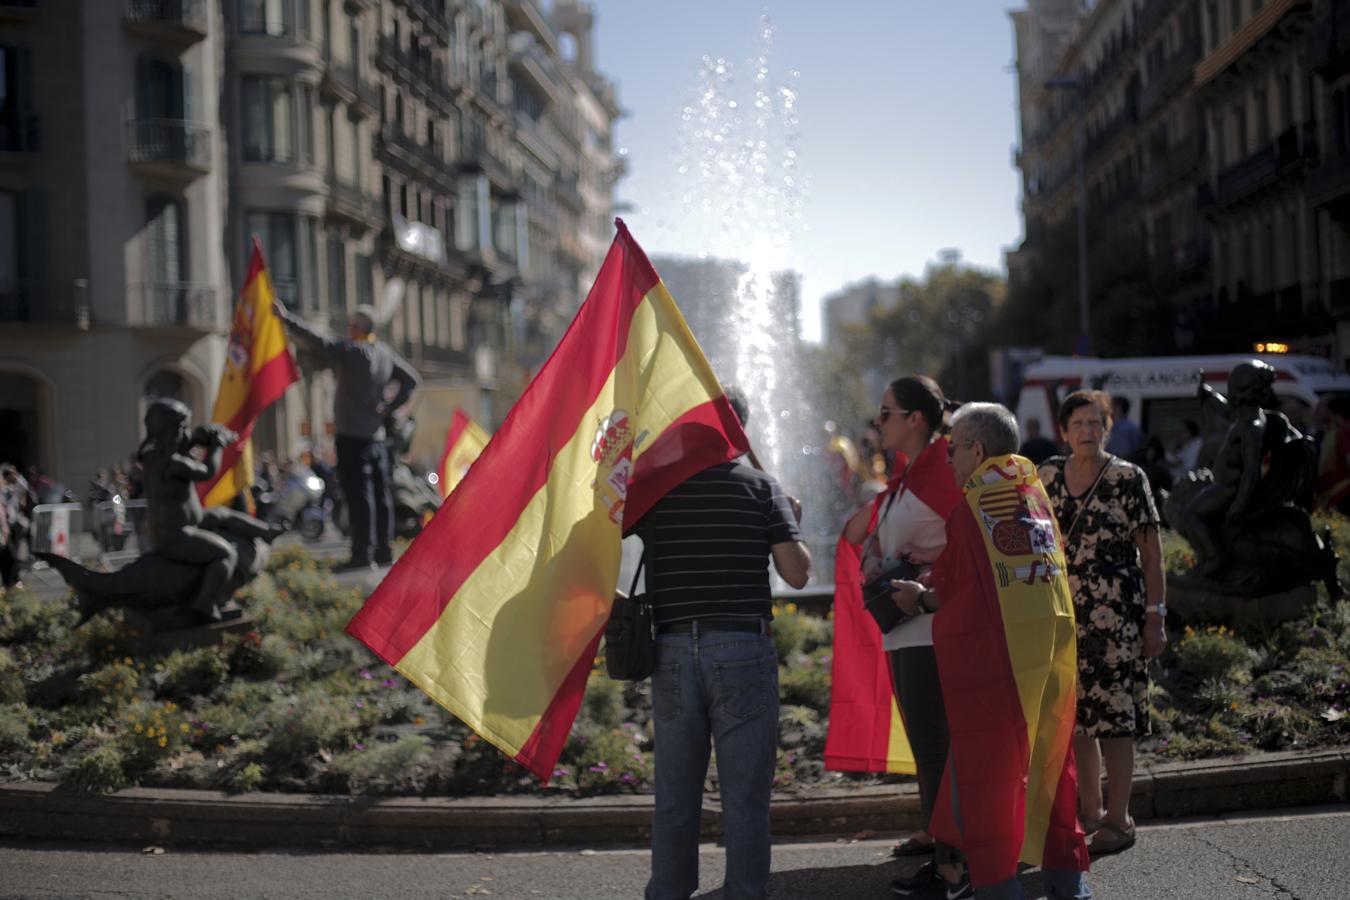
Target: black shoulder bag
x: 876, y: 594
x: 630, y: 634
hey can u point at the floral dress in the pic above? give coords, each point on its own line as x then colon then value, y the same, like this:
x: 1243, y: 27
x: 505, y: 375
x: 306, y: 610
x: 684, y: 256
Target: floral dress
x: 1108, y: 594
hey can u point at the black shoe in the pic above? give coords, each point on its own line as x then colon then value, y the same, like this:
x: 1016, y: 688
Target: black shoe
x: 384, y: 557
x: 924, y: 881
x: 353, y: 565
x: 961, y: 890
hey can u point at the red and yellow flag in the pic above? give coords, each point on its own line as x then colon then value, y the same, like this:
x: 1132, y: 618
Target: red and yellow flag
x: 866, y: 732
x: 258, y: 369
x: 464, y: 442
x: 497, y: 607
x: 1005, y: 642
x: 867, y: 729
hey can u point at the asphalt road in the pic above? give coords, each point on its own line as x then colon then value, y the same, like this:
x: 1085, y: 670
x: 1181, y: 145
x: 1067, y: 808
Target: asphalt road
x: 1302, y: 855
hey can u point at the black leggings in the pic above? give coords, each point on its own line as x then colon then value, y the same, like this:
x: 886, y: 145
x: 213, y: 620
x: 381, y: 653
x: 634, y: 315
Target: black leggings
x: 914, y: 674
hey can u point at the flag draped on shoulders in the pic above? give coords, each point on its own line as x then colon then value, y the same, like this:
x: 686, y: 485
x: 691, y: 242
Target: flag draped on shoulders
x: 867, y: 730
x: 497, y: 608
x: 258, y: 369
x: 463, y: 443
x: 1005, y: 644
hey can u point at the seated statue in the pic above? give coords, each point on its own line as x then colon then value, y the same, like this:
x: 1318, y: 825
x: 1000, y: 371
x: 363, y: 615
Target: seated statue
x: 1247, y: 518
x: 199, y: 557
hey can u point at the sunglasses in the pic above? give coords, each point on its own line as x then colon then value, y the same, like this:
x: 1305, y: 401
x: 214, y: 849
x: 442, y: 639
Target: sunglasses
x: 951, y: 448
x: 884, y: 413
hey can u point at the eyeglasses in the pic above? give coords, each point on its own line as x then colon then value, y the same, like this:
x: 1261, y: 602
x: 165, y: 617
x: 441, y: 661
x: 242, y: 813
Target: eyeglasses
x: 885, y: 412
x: 951, y: 448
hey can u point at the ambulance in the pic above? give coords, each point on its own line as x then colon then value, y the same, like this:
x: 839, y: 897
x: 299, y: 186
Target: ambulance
x: 1161, y: 390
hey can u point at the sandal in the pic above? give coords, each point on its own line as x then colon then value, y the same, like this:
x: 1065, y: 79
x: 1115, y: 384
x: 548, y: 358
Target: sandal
x: 1111, y: 838
x: 912, y: 846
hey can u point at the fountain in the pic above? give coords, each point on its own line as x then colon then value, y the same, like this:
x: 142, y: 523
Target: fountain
x: 740, y: 191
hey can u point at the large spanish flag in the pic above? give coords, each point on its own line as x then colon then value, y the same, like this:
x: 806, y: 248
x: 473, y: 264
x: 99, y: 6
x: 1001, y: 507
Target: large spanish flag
x: 867, y: 730
x: 258, y: 369
x: 464, y: 442
x: 497, y: 607
x: 1005, y: 645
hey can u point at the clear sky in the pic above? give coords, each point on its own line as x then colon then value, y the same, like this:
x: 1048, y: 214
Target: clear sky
x: 906, y: 111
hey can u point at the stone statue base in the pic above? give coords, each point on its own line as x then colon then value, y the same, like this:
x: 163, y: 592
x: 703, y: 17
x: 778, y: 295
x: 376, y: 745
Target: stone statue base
x: 155, y: 634
x: 1196, y: 600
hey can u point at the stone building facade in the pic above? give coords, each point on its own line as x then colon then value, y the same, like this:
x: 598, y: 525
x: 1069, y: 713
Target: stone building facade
x: 1211, y: 133
x: 400, y: 153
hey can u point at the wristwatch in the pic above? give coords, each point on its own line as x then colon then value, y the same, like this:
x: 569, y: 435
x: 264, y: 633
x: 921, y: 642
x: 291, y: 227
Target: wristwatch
x: 1159, y: 608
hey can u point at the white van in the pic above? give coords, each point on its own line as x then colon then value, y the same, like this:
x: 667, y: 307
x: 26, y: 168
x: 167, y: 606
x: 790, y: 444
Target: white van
x: 1162, y: 390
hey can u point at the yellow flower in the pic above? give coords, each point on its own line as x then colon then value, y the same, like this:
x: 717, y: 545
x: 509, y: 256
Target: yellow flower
x: 164, y: 742
x: 140, y: 728
x: 792, y: 608
x: 184, y: 728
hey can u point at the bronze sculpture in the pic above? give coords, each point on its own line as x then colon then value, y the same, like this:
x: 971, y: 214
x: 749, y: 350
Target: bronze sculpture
x: 1247, y: 518
x: 199, y: 557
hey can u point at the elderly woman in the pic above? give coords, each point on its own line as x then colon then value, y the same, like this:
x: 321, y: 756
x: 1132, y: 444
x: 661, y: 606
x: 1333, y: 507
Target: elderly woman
x: 910, y: 523
x: 1110, y: 527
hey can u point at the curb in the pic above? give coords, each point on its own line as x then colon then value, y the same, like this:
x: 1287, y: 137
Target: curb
x: 41, y: 811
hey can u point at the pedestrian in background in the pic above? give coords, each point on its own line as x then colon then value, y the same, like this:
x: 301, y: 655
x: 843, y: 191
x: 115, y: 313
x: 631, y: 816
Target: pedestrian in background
x: 365, y: 368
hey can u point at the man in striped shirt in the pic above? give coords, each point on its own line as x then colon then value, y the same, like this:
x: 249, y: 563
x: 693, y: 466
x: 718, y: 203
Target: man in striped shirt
x: 707, y: 546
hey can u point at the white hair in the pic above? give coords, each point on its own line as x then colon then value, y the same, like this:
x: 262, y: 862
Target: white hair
x: 992, y: 424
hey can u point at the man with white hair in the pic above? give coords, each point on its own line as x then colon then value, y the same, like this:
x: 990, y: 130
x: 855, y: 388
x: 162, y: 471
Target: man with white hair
x: 365, y: 367
x: 1005, y: 642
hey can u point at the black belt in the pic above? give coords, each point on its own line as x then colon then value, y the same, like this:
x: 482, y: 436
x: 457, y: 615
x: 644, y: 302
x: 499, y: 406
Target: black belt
x: 752, y: 626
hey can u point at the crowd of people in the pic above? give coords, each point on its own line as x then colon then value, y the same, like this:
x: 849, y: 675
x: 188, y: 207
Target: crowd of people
x: 912, y: 476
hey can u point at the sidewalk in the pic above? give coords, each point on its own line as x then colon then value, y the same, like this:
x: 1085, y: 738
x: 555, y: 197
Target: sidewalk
x: 155, y: 816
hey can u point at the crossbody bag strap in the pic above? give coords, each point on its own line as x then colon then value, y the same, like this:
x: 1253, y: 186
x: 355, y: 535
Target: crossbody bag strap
x: 872, y: 538
x: 1087, y: 498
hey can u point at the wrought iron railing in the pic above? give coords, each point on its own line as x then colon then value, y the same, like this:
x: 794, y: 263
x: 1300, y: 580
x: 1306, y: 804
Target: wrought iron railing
x: 183, y: 13
x: 172, y: 141
x: 174, y: 304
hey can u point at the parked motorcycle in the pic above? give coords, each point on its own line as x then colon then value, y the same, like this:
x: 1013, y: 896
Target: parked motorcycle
x: 108, y: 517
x: 298, y: 503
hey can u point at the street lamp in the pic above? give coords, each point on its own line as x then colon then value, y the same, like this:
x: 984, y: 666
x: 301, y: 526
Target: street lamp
x: 1073, y: 83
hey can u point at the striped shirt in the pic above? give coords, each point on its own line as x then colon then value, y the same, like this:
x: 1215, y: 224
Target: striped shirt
x: 708, y: 543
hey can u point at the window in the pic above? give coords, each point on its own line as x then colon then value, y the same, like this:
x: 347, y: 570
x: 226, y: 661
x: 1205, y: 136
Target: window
x: 1235, y: 10
x: 276, y: 232
x: 307, y: 107
x: 267, y: 119
x: 1262, y: 117
x: 337, y: 272
x: 270, y: 17
x: 1239, y: 131
x: 166, y: 263
x: 9, y: 256
x: 18, y: 125
x: 365, y: 282
x: 354, y: 45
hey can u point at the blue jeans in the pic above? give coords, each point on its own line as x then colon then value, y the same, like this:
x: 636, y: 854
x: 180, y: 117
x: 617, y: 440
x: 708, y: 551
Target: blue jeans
x: 720, y: 687
x: 1060, y: 884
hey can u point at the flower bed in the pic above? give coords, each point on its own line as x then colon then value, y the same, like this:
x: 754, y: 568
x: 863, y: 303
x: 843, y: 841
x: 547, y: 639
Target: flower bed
x: 296, y: 705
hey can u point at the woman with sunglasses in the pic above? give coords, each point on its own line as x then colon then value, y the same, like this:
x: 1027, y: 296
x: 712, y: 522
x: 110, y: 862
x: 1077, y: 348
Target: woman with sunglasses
x: 908, y: 521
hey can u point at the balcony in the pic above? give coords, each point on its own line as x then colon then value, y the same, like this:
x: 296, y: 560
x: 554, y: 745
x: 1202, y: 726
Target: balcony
x: 176, y: 304
x: 1281, y: 157
x: 19, y: 132
x: 1176, y: 164
x: 1330, y: 182
x: 569, y: 195
x: 424, y: 74
x: 1329, y: 41
x: 1172, y: 77
x: 342, y: 80
x: 431, y: 13
x: 178, y: 21
x: 1253, y: 31
x: 421, y: 160
x: 348, y: 201
x: 476, y: 158
x: 171, y: 147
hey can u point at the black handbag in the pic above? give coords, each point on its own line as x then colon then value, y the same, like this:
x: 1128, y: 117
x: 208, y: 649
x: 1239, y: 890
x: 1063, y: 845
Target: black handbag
x: 630, y: 633
x: 877, y: 595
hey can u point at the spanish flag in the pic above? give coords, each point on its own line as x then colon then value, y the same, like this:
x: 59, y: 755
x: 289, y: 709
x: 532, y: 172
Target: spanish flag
x: 258, y: 369
x: 867, y: 730
x: 497, y: 607
x: 1005, y: 642
x: 463, y: 443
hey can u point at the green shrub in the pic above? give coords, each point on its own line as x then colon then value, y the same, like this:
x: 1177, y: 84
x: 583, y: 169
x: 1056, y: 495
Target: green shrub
x: 611, y: 760
x: 149, y: 733
x: 795, y: 632
x: 385, y: 768
x: 16, y: 721
x: 98, y: 771
x: 248, y: 778
x: 1178, y: 556
x: 11, y: 679
x: 28, y: 618
x: 603, y: 703
x: 805, y: 680
x: 1214, y: 653
x: 186, y: 673
x: 110, y: 688
x: 299, y: 727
